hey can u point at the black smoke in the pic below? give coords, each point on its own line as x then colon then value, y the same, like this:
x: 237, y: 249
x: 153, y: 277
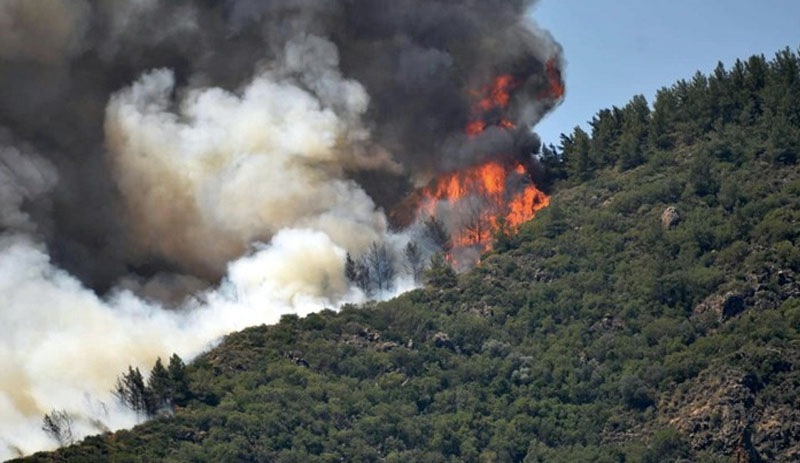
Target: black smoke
x: 418, y: 60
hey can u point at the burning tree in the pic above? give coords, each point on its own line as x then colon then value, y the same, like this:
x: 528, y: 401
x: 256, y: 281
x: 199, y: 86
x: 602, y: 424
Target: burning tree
x: 475, y: 201
x: 357, y: 273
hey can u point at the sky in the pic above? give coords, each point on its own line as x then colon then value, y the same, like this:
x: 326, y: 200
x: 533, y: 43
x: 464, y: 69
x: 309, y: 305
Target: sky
x: 616, y: 49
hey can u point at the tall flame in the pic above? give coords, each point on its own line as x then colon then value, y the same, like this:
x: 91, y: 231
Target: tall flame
x: 474, y: 202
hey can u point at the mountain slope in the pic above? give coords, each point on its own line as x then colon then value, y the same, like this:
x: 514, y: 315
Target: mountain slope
x: 651, y: 313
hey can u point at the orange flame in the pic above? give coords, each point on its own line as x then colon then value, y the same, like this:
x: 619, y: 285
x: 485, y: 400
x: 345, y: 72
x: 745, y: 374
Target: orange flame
x: 477, y: 199
x: 498, y: 95
x: 494, y: 97
x: 480, y: 197
x: 475, y: 127
x: 555, y: 88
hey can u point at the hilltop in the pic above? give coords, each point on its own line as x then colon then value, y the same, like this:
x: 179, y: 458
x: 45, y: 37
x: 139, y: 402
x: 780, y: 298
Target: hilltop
x: 650, y: 313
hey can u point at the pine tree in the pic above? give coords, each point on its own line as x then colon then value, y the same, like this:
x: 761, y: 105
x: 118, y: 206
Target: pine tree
x: 160, y: 388
x: 505, y: 236
x: 606, y: 129
x: 177, y: 375
x: 575, y: 150
x: 437, y: 233
x: 350, y: 269
x: 440, y: 273
x: 632, y: 141
x: 358, y: 273
x: 131, y: 391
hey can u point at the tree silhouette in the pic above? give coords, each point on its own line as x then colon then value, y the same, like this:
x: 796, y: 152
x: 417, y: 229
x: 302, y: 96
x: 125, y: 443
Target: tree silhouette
x: 58, y: 425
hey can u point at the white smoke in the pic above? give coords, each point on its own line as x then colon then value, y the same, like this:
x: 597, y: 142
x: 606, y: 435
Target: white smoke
x: 61, y: 344
x: 224, y: 169
x: 249, y: 184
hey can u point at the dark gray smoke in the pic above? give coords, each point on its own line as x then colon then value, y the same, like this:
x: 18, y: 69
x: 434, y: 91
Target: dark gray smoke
x: 63, y: 62
x: 149, y: 148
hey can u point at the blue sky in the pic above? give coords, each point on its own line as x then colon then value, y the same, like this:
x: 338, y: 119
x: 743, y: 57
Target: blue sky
x: 616, y: 49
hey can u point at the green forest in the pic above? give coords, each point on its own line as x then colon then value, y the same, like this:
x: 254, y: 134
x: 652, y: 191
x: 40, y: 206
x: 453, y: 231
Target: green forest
x: 649, y: 314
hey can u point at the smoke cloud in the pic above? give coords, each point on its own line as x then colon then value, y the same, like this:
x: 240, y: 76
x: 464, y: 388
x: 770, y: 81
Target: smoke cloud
x: 62, y: 343
x: 171, y: 171
x: 224, y: 170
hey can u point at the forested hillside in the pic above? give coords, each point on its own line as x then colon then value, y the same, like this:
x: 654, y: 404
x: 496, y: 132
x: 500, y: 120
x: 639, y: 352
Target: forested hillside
x: 650, y: 313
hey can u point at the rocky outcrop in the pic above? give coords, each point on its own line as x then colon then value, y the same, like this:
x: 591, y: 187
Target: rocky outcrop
x: 765, y: 290
x: 716, y: 414
x: 670, y: 218
x: 770, y: 287
x: 609, y: 322
x: 777, y: 433
x: 365, y: 337
x: 722, y: 411
x: 442, y: 341
x: 720, y: 307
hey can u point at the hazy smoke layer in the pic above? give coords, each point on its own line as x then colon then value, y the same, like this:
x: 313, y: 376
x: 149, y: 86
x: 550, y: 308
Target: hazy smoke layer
x: 147, y: 147
x: 62, y: 344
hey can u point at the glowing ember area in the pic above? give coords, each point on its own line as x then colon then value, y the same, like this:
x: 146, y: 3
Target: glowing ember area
x: 498, y: 94
x: 492, y: 101
x: 474, y: 201
x: 555, y: 88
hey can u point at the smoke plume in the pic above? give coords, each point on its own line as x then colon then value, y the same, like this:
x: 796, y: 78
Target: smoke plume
x: 173, y: 170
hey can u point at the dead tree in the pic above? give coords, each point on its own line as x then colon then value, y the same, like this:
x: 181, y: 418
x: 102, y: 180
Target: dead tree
x: 58, y: 425
x: 356, y: 272
x: 415, y: 264
x: 380, y: 263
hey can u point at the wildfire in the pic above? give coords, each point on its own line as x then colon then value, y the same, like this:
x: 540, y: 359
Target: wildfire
x: 474, y: 202
x: 477, y: 199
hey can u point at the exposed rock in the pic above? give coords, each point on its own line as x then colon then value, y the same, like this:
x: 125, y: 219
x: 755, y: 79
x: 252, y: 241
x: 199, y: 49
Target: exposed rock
x: 442, y: 340
x: 297, y: 357
x: 721, y: 307
x: 367, y: 338
x: 724, y: 411
x: 670, y: 217
x: 364, y: 337
x: 777, y: 434
x: 770, y: 287
x: 608, y: 323
x: 716, y: 414
x: 385, y: 346
x: 765, y: 290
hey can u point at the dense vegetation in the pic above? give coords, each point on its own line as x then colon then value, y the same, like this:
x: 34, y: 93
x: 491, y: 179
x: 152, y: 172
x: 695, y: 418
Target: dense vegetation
x: 651, y: 313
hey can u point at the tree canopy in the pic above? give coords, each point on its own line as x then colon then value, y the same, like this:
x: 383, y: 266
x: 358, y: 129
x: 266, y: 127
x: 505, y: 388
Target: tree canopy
x: 650, y: 313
